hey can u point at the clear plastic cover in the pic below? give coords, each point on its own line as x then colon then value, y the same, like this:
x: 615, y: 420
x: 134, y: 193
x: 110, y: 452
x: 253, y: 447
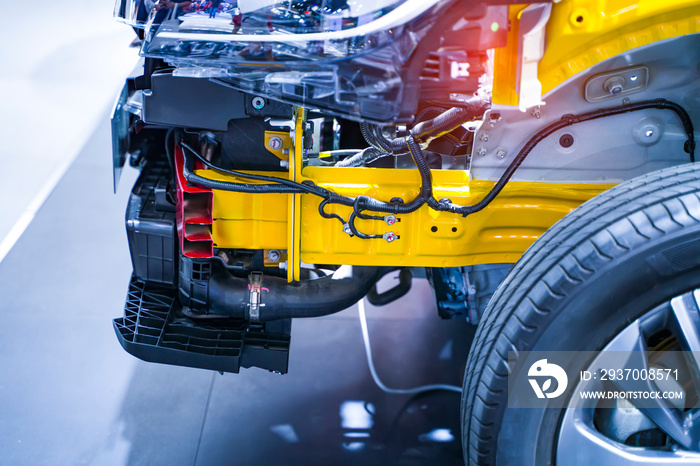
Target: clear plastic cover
x: 257, y: 16
x: 343, y: 56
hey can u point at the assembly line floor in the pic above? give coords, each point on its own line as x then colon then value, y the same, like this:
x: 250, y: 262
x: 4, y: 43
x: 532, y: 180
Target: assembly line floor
x: 70, y: 395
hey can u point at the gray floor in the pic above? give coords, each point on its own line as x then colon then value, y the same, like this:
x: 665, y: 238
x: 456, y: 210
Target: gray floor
x: 70, y: 395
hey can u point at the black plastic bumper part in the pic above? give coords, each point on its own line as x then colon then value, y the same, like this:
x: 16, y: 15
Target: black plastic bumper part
x: 154, y: 329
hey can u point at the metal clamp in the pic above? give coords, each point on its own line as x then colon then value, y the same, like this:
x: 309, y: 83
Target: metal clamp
x: 254, y: 304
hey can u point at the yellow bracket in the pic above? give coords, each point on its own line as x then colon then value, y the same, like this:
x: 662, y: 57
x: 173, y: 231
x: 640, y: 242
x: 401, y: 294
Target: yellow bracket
x: 279, y: 143
x: 294, y: 227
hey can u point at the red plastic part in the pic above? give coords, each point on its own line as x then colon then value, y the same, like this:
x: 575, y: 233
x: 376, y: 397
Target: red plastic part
x: 193, y: 215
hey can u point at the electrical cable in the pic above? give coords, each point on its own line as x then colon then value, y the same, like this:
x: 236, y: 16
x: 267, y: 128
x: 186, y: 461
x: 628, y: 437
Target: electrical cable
x: 324, y: 214
x: 363, y: 157
x: 422, y: 133
x: 358, y: 233
x: 567, y: 120
x: 373, y: 370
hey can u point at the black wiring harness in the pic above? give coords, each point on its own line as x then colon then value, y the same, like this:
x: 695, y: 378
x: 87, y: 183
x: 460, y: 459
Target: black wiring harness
x: 422, y: 133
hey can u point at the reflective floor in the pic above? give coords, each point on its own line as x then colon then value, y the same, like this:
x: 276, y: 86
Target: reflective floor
x: 62, y: 65
x: 70, y: 395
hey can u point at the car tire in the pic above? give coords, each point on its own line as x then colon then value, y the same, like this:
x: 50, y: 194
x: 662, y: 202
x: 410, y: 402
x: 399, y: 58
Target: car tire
x: 602, y: 266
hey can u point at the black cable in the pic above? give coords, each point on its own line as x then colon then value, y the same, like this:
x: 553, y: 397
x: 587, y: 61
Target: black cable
x: 424, y: 132
x: 357, y: 208
x: 230, y: 186
x: 569, y: 120
x: 358, y: 233
x: 366, y: 156
x: 192, y: 177
x: 324, y: 214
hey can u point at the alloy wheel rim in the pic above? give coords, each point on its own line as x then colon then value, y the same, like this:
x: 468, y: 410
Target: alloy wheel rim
x: 581, y: 441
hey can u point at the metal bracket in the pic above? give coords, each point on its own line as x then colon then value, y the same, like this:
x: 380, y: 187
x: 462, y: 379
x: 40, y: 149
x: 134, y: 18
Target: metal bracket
x: 533, y: 21
x: 613, y: 84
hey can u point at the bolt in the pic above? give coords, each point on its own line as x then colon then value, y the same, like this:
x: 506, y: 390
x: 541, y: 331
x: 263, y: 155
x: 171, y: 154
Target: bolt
x: 274, y: 255
x: 258, y: 103
x: 484, y: 137
x: 501, y: 154
x: 481, y: 151
x: 566, y: 140
x: 346, y: 229
x: 275, y: 143
x: 649, y: 133
x: 390, y: 236
x: 536, y: 112
x: 615, y: 85
x: 390, y: 219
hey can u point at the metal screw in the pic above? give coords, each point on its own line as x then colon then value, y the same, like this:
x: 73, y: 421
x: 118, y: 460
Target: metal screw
x: 536, y: 112
x: 346, y: 229
x: 615, y: 85
x: 484, y: 137
x: 390, y: 236
x: 258, y: 103
x: 275, y: 143
x: 481, y: 151
x: 390, y: 219
x: 274, y: 255
x: 501, y: 154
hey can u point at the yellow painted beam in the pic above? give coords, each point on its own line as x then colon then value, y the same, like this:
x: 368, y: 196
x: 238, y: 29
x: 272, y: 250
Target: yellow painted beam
x: 500, y: 233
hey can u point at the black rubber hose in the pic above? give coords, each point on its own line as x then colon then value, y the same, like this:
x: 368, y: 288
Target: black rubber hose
x: 229, y: 295
x: 425, y: 131
x: 441, y: 124
x: 403, y: 287
x: 449, y: 120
